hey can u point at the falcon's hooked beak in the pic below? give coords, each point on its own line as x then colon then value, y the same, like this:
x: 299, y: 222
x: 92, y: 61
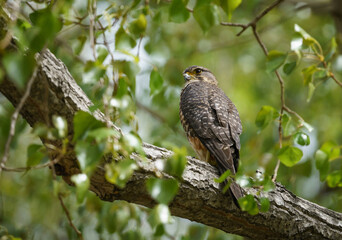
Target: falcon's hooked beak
x: 186, y: 76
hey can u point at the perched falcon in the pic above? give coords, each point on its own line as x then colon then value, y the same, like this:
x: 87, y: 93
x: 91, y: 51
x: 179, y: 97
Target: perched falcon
x: 211, y: 122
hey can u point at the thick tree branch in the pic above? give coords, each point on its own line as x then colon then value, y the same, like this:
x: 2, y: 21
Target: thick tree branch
x: 199, y: 199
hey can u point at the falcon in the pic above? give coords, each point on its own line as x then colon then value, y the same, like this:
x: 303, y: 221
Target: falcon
x: 211, y: 122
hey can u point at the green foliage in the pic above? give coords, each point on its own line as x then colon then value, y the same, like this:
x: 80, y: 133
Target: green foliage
x: 123, y: 40
x: 301, y: 139
x: 156, y: 82
x: 82, y: 184
x: 162, y: 190
x: 175, y: 165
x: 178, y: 12
x: 35, y: 154
x: 229, y: 6
x: 205, y: 14
x: 265, y: 116
x: 15, y: 61
x: 290, y: 155
x: 160, y: 215
x: 135, y: 79
x: 274, y: 60
x: 325, y: 156
x: 61, y: 125
x: 48, y: 24
x: 248, y: 204
x: 264, y: 204
x: 289, y: 67
x: 83, y: 123
x: 119, y: 173
x: 223, y: 177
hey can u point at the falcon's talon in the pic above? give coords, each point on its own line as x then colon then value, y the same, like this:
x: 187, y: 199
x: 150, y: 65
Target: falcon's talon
x: 211, y: 122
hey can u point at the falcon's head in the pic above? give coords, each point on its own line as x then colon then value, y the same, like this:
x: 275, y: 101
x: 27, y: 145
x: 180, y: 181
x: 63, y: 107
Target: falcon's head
x: 198, y: 73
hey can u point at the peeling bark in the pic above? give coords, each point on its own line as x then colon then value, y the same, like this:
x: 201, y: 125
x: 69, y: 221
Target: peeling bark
x: 199, y: 199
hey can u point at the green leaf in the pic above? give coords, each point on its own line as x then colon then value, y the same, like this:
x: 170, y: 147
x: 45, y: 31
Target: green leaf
x: 138, y: 26
x: 132, y: 143
x: 335, y: 179
x: 302, y: 139
x: 308, y: 73
x: 290, y: 155
x: 264, y: 204
x: 120, y: 172
x: 80, y: 44
x: 35, y: 154
x: 156, y: 82
x: 307, y: 126
x: 322, y: 164
x: 100, y: 134
x: 265, y: 116
x: 229, y: 6
x: 248, y: 204
x: 61, y: 125
x: 160, y: 231
x: 48, y: 23
x: 200, y: 232
x: 160, y: 215
x: 176, y: 164
x: 82, y: 185
x: 19, y: 67
x: 83, y: 123
x: 88, y: 154
x: 205, y: 14
x: 322, y: 74
x: 332, y: 149
x: 178, y: 12
x: 122, y: 89
x: 102, y: 53
x: 268, y: 184
x: 130, y: 69
x: 289, y: 67
x: 288, y: 125
x: 123, y: 40
x: 332, y: 50
x: 116, y: 217
x: 307, y: 39
x: 162, y: 190
x: 311, y: 91
x: 274, y: 60
x: 223, y: 177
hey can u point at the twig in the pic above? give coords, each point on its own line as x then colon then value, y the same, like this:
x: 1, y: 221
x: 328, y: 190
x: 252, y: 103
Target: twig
x: 233, y: 24
x: 14, y: 118
x: 139, y: 44
x: 79, y: 234
x: 151, y: 112
x: 262, y: 45
x: 280, y: 79
x: 282, y: 99
x: 65, y: 209
x: 332, y: 75
x: 287, y: 109
x: 115, y: 83
x: 23, y: 169
x: 30, y: 6
x: 92, y: 13
x: 255, y: 20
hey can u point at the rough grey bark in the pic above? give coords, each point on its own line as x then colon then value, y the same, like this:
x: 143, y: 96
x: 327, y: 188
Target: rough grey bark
x: 199, y: 198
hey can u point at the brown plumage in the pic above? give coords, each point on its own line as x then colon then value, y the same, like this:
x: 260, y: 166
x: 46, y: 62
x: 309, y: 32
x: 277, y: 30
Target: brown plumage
x: 211, y: 122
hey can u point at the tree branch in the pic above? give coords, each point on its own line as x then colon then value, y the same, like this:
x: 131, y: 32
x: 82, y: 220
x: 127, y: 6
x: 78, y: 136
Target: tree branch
x: 199, y: 198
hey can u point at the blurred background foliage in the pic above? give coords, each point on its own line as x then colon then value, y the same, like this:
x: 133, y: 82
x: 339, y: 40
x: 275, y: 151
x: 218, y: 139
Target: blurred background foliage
x: 128, y: 56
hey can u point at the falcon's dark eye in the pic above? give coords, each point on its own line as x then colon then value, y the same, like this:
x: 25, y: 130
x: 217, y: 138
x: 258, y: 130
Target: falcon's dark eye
x: 198, y: 71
